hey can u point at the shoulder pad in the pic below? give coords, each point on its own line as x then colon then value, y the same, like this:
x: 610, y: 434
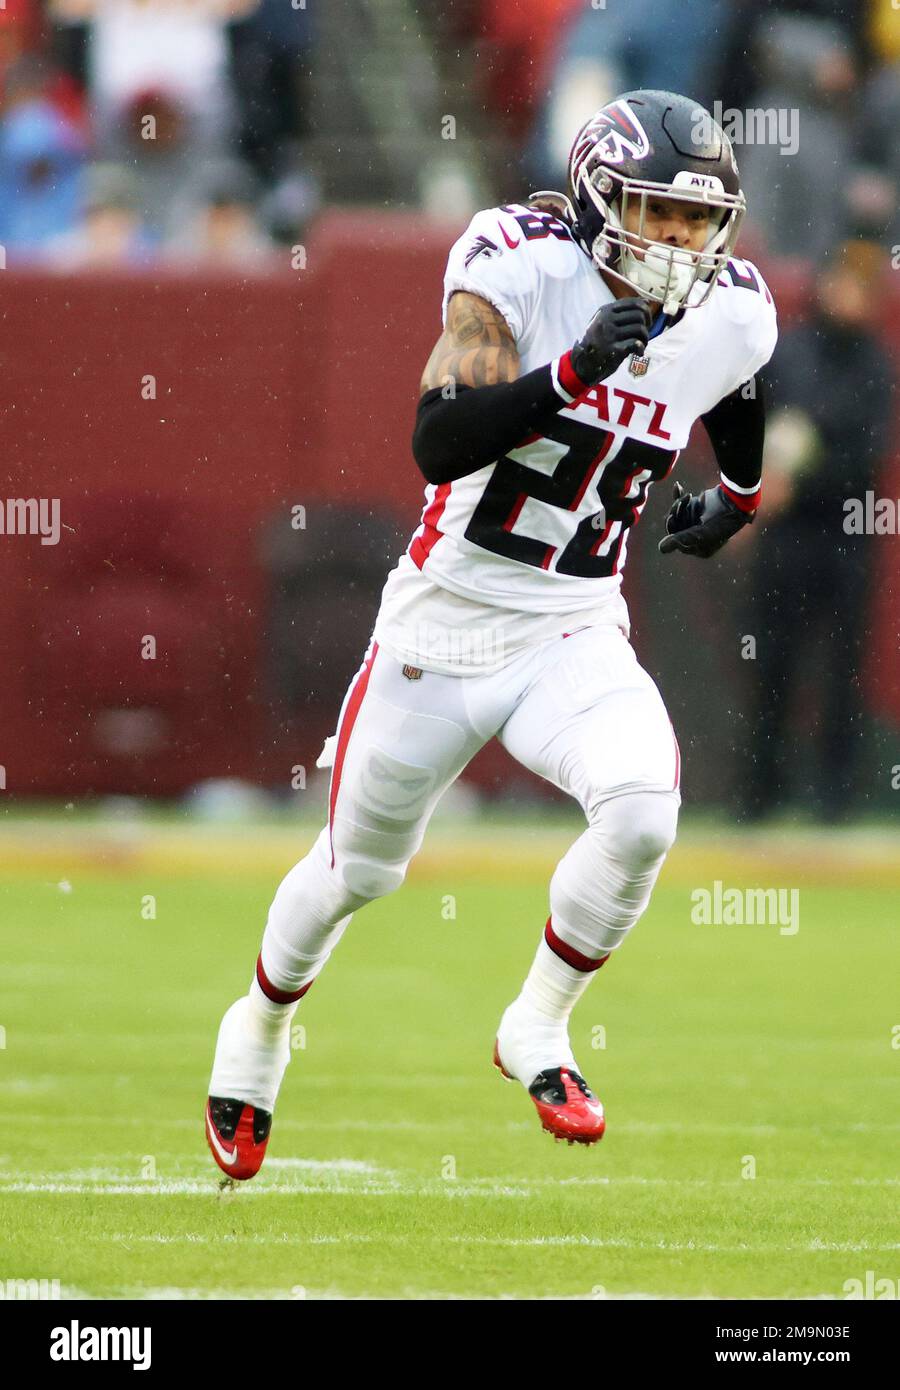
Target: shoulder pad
x: 742, y: 292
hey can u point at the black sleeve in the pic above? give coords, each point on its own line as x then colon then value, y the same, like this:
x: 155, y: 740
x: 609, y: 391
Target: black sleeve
x: 457, y: 435
x: 736, y: 429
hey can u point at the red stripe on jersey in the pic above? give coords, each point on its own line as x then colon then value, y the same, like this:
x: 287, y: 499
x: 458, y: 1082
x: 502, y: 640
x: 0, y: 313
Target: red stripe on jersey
x: 583, y: 486
x: 595, y: 548
x: 677, y: 782
x: 745, y: 501
x: 569, y: 379
x: 589, y: 472
x: 568, y: 953
x: 278, y: 996
x: 421, y: 546
x: 513, y: 517
x: 356, y: 698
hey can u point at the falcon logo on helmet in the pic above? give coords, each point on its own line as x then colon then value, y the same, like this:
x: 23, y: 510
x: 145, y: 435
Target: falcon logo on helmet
x: 651, y: 146
x: 615, y: 134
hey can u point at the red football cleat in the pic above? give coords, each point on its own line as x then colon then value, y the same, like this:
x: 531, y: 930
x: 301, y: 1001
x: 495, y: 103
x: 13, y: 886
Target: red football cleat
x: 567, y: 1107
x: 237, y: 1135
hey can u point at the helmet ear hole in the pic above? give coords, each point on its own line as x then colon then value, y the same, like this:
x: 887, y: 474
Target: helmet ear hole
x: 602, y: 181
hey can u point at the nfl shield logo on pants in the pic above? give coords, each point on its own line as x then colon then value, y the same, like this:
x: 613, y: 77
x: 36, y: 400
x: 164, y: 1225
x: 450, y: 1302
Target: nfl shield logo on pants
x: 638, y: 365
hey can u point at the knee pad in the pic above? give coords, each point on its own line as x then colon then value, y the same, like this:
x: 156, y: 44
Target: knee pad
x: 368, y: 879
x: 380, y: 822
x: 603, y: 884
x: 638, y: 829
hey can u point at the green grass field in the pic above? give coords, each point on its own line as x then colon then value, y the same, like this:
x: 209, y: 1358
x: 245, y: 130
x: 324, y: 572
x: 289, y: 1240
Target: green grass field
x: 401, y: 1165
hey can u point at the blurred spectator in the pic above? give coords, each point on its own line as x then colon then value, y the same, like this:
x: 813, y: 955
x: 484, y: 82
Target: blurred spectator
x: 662, y: 44
x: 884, y: 30
x: 289, y: 207
x: 831, y: 402
x: 798, y: 199
x: 219, y: 227
x: 270, y: 65
x: 110, y: 235
x: 19, y: 34
x: 153, y: 137
x: 41, y: 152
x: 874, y: 191
x: 178, y: 47
x: 519, y: 46
x: 750, y: 24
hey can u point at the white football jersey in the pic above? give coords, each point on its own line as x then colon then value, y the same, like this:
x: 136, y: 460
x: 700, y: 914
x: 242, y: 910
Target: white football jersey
x: 534, y: 544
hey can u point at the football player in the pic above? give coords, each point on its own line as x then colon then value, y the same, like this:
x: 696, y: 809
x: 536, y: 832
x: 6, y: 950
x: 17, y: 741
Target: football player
x: 584, y: 334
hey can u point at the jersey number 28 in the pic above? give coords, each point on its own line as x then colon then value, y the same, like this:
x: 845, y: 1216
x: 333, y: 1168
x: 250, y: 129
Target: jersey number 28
x: 593, y: 551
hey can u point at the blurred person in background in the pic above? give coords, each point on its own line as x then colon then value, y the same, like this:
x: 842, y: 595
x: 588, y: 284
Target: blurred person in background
x: 218, y: 226
x: 750, y: 24
x: 874, y: 191
x: 289, y: 207
x: 810, y: 81
x: 111, y: 235
x: 184, y: 82
x: 832, y: 395
x: 41, y: 155
x: 19, y: 33
x: 270, y: 54
x: 519, y: 47
x: 21, y: 36
x: 649, y: 44
x: 164, y: 165
x: 177, y: 46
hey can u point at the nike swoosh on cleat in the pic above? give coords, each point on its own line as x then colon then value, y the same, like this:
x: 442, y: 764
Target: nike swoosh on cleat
x: 225, y: 1156
x: 511, y: 244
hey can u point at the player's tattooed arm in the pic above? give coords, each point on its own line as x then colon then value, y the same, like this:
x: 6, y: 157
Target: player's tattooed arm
x: 477, y: 347
x: 491, y: 405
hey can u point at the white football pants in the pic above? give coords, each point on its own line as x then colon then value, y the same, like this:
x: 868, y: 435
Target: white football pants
x: 578, y: 710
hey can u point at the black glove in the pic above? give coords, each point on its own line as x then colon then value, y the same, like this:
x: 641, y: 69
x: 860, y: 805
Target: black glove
x: 614, y: 332
x: 701, y: 525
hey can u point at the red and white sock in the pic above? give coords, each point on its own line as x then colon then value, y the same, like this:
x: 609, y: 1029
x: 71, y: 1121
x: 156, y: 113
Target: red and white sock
x: 534, y: 1035
x: 270, y: 1010
x: 558, y: 977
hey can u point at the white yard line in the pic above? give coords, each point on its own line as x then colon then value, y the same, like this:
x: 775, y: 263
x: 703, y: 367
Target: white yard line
x: 624, y: 1127
x: 337, y: 1179
x: 175, y: 1293
x: 814, y: 1247
x: 191, y: 1188
x: 331, y: 1165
